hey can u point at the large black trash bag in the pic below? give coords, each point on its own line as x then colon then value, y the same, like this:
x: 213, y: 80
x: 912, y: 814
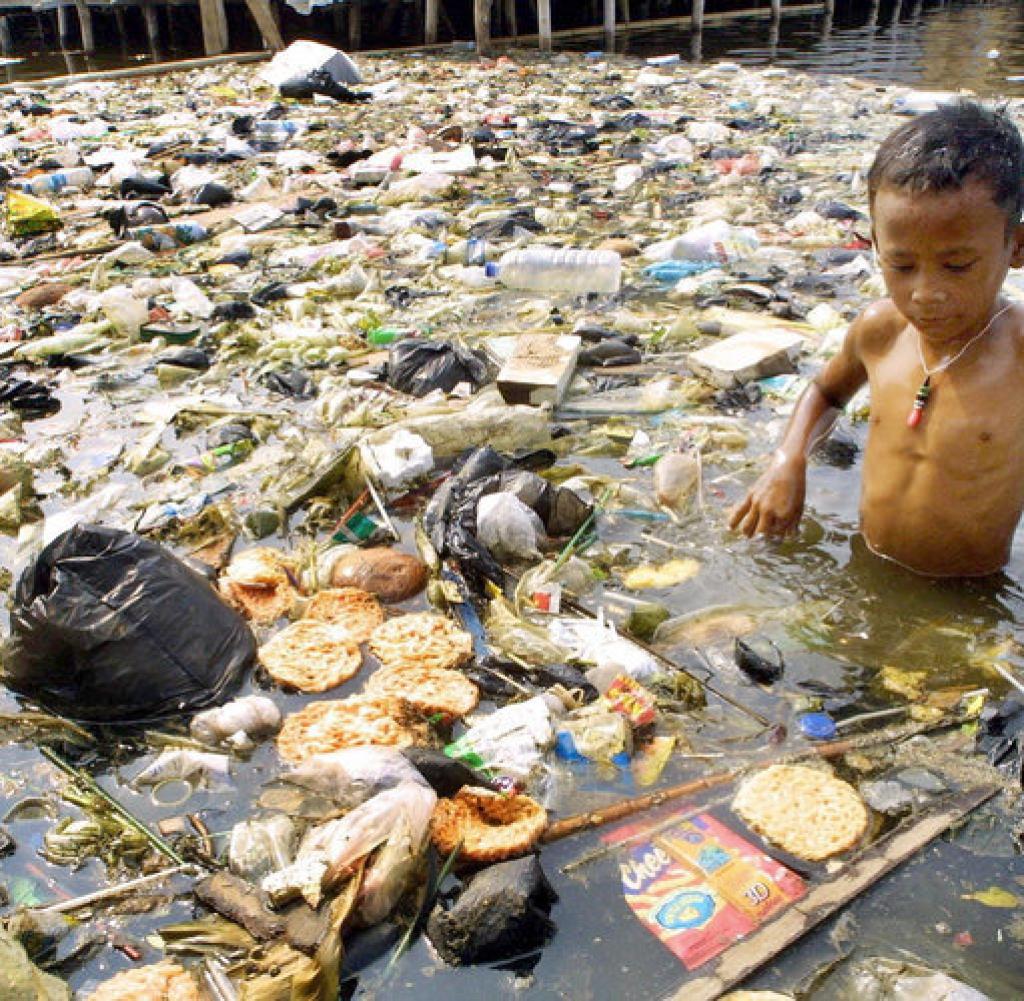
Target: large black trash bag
x: 419, y: 367
x: 110, y: 627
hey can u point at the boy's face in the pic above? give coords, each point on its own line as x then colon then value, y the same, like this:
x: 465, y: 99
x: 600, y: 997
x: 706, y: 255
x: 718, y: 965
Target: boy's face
x: 944, y: 256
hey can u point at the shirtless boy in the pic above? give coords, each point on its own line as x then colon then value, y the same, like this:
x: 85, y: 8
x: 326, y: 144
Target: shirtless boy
x: 943, y: 478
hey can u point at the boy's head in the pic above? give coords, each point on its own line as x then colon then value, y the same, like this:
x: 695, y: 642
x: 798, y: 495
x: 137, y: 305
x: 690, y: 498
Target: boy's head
x: 945, y: 149
x: 946, y: 197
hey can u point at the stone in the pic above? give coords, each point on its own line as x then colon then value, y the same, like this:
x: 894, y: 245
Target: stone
x: 387, y: 573
x: 21, y: 980
x: 501, y: 912
x: 747, y: 356
x: 41, y: 296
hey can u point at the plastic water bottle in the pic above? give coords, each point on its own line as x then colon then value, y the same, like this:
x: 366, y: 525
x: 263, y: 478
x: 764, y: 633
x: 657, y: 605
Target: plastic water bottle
x: 551, y: 269
x: 73, y: 177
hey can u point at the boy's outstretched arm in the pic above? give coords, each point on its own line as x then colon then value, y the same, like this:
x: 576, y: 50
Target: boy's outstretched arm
x: 775, y: 502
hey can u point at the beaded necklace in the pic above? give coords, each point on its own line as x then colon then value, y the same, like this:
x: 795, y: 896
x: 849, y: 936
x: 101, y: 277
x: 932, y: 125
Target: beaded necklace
x: 925, y: 389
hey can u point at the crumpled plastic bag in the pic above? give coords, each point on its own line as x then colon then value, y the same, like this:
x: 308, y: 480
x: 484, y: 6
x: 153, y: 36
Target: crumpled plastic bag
x: 108, y: 627
x: 397, y: 819
x: 353, y: 775
x: 418, y: 367
x: 400, y: 459
x: 595, y: 641
x: 508, y: 528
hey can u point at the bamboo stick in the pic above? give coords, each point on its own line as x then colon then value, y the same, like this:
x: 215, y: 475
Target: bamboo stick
x: 831, y: 749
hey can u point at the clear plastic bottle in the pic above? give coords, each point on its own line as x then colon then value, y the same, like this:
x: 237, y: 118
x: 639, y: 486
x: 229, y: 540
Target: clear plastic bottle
x: 553, y: 269
x: 73, y: 177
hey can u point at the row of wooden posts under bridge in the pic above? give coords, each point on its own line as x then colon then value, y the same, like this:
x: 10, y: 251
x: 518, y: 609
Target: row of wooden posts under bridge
x: 494, y: 23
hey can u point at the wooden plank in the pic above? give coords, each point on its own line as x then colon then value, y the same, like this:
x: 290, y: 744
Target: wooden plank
x: 482, y: 26
x: 544, y: 24
x: 266, y: 22
x: 741, y: 960
x: 430, y: 15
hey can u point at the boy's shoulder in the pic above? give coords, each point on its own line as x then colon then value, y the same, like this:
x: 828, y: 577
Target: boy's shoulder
x: 877, y: 326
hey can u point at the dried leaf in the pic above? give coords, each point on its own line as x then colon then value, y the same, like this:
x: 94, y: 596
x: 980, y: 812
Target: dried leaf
x: 994, y: 896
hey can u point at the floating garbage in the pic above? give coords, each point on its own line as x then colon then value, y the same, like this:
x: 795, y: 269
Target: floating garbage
x: 366, y: 439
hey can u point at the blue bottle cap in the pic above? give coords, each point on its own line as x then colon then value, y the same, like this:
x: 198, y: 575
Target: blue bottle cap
x: 817, y: 726
x: 491, y: 269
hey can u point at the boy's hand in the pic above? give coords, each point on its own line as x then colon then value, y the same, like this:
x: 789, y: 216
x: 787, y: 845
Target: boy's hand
x: 775, y: 502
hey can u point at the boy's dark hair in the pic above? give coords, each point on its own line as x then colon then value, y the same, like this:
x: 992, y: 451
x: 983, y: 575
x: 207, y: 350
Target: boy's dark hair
x: 943, y: 149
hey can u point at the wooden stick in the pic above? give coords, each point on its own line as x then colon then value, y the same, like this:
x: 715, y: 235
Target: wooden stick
x: 627, y: 807
x: 112, y: 892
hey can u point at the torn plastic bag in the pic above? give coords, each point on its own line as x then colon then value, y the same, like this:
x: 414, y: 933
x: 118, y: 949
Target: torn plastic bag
x: 419, y: 367
x: 353, y: 775
x: 110, y: 627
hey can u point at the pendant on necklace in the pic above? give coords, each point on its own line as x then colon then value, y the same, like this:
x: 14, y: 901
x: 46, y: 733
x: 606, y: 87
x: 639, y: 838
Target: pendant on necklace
x: 920, y: 402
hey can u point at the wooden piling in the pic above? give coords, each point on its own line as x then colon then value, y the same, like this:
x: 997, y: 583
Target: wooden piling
x: 215, y: 28
x: 5, y: 37
x: 697, y: 16
x: 482, y: 26
x: 355, y: 25
x: 263, y: 15
x: 63, y: 26
x: 149, y: 18
x: 430, y: 16
x: 609, y: 25
x: 776, y: 8
x: 544, y: 24
x: 85, y: 26
x: 122, y: 31
x: 510, y: 22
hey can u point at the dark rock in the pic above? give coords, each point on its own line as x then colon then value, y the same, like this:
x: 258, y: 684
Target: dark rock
x: 242, y: 903
x: 501, y: 912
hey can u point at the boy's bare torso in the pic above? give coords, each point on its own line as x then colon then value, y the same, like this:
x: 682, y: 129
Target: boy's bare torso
x: 944, y: 498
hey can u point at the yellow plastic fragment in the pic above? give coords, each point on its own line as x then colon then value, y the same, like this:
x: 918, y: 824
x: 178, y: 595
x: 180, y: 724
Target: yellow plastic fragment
x: 994, y: 896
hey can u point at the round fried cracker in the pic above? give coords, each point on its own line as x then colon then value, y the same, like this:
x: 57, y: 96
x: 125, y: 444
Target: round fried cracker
x: 351, y: 722
x: 423, y: 639
x: 260, y: 605
x: 429, y: 689
x: 807, y: 812
x: 311, y: 656
x: 356, y: 610
x: 163, y: 981
x: 491, y: 826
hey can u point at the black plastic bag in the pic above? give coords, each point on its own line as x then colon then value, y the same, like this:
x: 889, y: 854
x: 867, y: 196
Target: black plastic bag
x: 450, y: 518
x: 110, y: 627
x: 419, y: 367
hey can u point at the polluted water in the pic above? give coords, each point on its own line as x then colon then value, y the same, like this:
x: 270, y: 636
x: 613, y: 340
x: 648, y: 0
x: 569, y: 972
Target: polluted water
x: 374, y: 628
